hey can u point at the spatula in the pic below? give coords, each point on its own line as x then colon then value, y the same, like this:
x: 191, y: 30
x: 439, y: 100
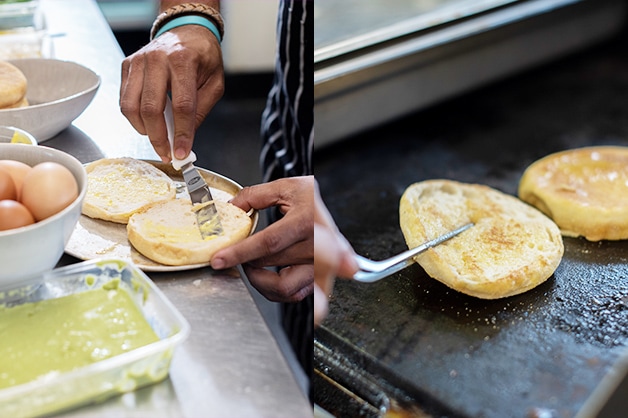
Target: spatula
x: 207, y: 217
x: 372, y: 271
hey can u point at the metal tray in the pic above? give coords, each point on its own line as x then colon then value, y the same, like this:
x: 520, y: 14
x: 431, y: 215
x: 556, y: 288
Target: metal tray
x: 119, y: 374
x: 95, y: 238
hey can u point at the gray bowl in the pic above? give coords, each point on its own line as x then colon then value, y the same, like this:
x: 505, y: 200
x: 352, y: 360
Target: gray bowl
x: 58, y: 92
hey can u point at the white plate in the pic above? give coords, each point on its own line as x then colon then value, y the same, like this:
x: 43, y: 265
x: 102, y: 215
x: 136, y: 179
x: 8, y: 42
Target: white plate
x: 95, y: 238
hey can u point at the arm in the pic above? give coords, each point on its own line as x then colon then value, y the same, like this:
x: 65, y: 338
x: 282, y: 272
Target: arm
x: 185, y: 61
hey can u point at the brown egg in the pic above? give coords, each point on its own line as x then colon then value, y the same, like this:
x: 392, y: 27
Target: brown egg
x: 18, y: 171
x: 14, y: 215
x: 48, y: 188
x: 7, y: 187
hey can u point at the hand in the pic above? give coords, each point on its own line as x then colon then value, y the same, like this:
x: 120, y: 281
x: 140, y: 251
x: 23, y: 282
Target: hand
x: 186, y: 61
x: 287, y: 243
x: 333, y: 257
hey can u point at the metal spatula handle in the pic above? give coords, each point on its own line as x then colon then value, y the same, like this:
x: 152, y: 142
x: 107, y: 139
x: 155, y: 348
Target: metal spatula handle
x: 372, y: 271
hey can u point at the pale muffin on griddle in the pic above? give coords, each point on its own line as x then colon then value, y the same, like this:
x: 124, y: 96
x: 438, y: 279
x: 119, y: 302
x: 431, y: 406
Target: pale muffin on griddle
x: 512, y: 247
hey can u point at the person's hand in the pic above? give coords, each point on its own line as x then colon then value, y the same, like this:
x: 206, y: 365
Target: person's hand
x: 287, y: 243
x: 333, y: 257
x: 185, y: 61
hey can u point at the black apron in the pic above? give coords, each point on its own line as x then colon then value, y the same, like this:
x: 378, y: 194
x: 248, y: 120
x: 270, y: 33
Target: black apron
x: 288, y: 137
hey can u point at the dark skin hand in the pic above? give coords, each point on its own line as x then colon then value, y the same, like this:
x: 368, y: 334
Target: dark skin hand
x: 185, y: 61
x: 287, y: 243
x: 334, y: 257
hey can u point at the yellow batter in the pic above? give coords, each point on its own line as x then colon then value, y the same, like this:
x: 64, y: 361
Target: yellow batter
x: 59, y: 335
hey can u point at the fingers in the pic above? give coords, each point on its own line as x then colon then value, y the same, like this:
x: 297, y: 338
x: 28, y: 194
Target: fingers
x: 187, y: 62
x: 284, y: 193
x: 145, y: 82
x: 131, y: 90
x: 197, y: 82
x: 333, y: 257
x: 152, y: 105
x: 287, y: 241
x: 333, y: 253
x: 184, y: 96
x: 321, y: 305
x: 298, y: 253
x: 290, y: 284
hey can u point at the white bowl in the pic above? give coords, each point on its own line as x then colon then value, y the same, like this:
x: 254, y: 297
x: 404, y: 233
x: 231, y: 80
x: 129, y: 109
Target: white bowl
x: 31, y: 250
x: 58, y: 92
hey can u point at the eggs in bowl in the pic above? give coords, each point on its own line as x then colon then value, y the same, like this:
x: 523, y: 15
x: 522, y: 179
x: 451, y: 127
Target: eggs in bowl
x: 31, y: 250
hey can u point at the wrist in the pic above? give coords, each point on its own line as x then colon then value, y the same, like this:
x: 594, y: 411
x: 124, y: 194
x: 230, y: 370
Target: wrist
x: 189, y: 14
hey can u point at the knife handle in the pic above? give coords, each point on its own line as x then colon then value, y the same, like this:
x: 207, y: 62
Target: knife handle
x: 168, y: 115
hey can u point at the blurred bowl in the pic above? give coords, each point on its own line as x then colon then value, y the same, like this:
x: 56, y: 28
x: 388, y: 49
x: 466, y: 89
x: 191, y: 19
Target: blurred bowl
x: 58, y: 92
x: 12, y: 135
x: 32, y: 250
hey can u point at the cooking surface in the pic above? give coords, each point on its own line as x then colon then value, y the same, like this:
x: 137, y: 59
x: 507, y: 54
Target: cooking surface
x: 542, y: 351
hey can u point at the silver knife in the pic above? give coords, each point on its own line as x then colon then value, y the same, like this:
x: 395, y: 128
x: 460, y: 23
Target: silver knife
x: 207, y: 216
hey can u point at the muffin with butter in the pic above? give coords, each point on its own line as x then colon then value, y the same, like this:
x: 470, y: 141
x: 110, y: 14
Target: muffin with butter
x: 119, y: 187
x: 168, y: 233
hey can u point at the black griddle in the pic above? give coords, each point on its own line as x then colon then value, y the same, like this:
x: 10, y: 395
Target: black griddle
x: 408, y: 345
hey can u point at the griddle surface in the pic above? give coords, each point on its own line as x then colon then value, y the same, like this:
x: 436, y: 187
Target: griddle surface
x: 544, y: 350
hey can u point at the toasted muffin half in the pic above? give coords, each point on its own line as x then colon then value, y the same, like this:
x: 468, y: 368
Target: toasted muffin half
x: 512, y: 247
x: 584, y: 190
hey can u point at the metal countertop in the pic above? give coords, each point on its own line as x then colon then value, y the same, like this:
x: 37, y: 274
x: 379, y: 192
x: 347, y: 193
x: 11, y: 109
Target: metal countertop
x: 231, y: 364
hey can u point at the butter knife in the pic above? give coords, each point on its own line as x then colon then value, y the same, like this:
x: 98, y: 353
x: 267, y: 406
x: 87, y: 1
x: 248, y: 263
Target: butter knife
x: 207, y: 216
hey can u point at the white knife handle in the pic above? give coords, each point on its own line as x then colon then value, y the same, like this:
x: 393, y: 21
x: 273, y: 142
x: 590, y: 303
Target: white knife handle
x: 168, y: 115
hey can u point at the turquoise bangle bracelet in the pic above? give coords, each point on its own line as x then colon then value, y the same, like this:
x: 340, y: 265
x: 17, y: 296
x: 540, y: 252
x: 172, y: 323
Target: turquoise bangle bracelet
x: 190, y: 20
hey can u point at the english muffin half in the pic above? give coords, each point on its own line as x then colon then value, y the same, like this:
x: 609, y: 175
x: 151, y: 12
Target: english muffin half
x: 119, y: 187
x: 512, y: 247
x: 20, y: 103
x: 168, y: 233
x: 13, y: 85
x: 584, y: 190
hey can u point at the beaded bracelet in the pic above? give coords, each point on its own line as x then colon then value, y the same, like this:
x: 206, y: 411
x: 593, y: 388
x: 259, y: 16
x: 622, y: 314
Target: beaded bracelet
x: 189, y: 9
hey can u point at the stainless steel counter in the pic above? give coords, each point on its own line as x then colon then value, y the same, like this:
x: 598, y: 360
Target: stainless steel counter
x: 231, y: 364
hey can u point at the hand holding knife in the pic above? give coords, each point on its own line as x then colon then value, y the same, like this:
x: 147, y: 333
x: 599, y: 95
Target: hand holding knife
x: 207, y: 216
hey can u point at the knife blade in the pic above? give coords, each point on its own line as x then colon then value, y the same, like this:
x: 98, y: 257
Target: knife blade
x: 207, y: 216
